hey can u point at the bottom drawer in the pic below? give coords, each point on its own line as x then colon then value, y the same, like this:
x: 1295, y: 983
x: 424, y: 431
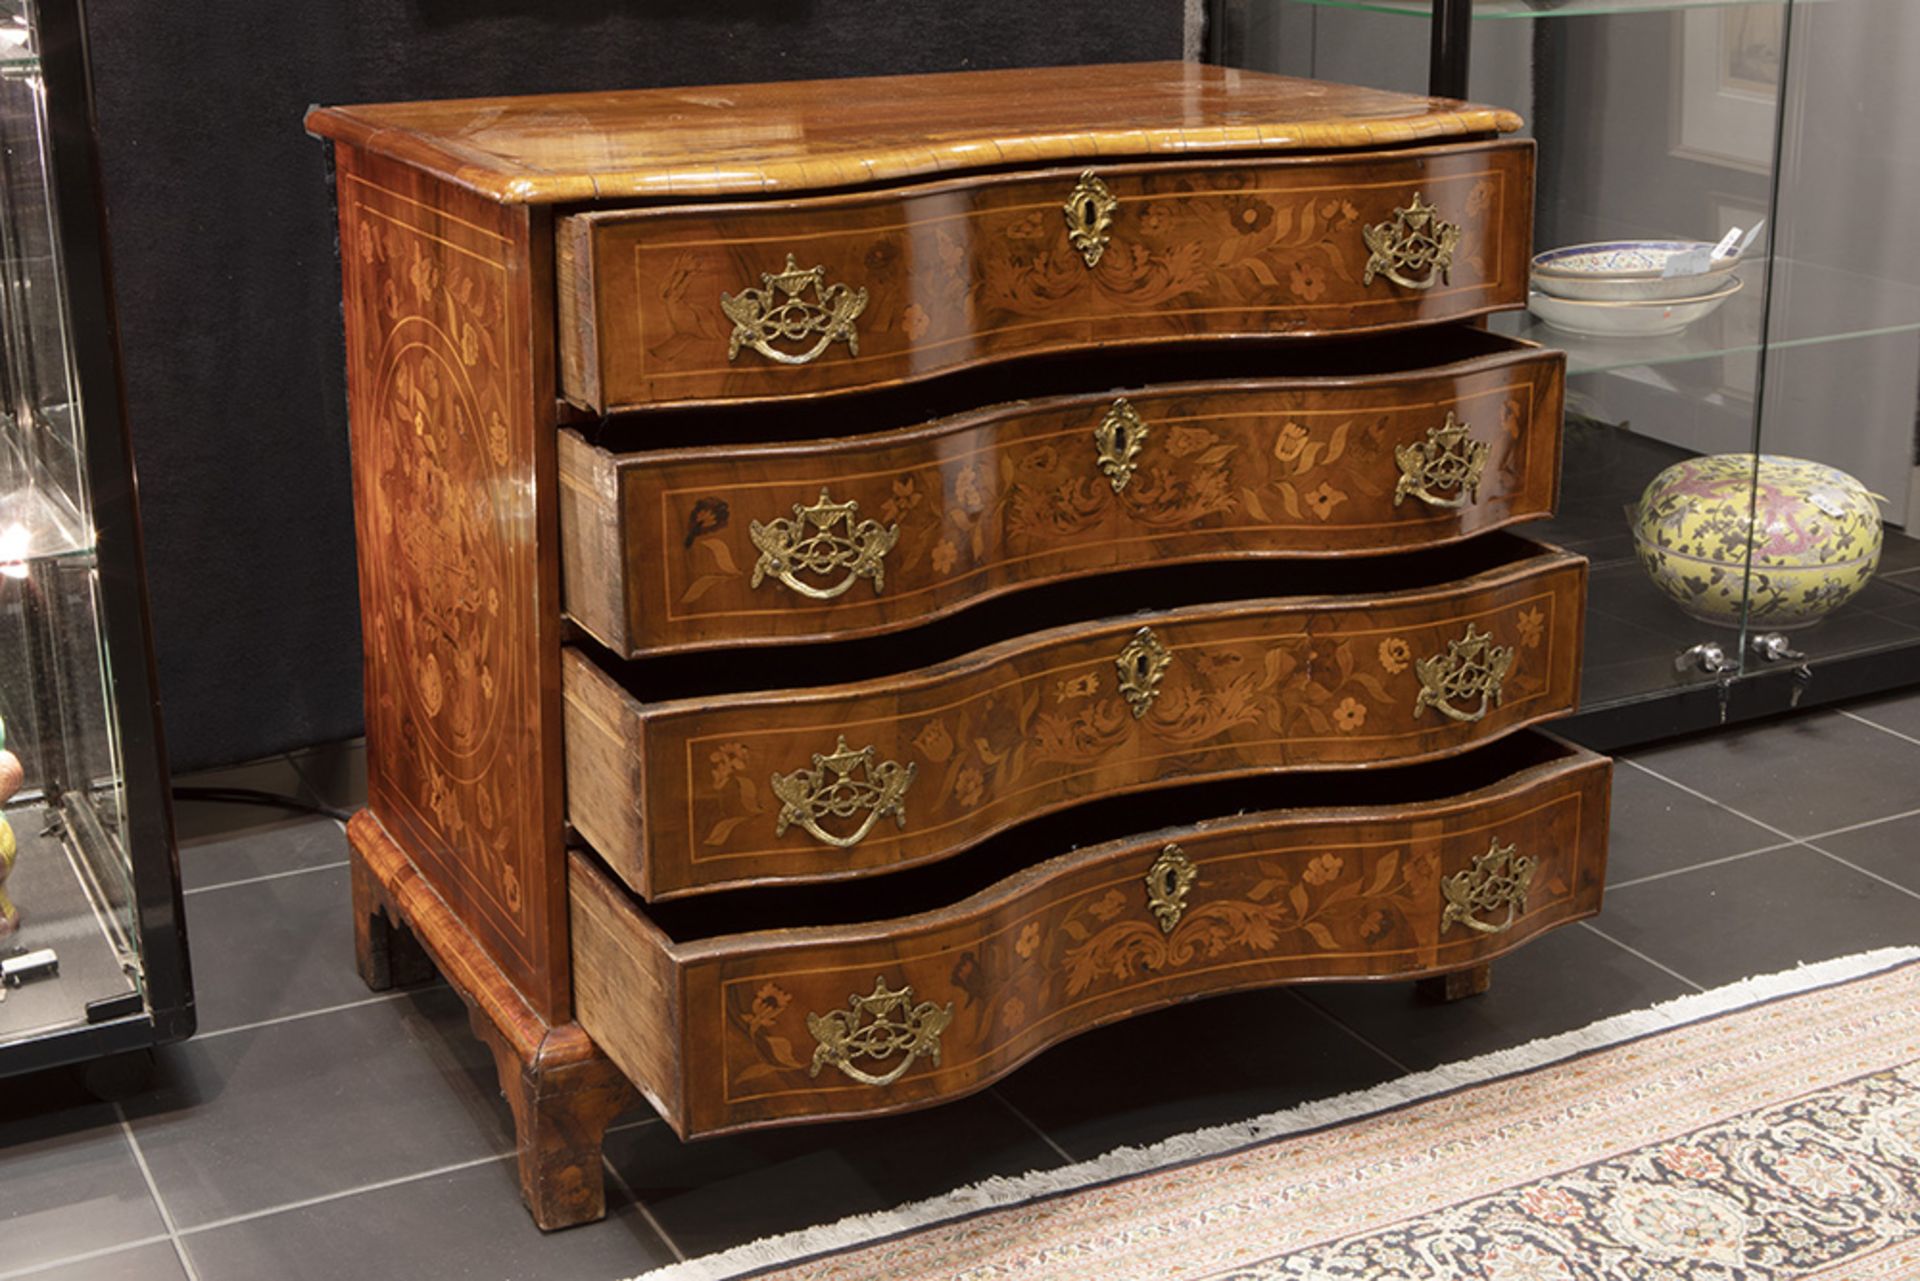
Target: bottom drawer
x: 730, y: 1013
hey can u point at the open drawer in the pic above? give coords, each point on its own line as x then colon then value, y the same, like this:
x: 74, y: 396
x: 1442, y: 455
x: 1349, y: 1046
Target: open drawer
x: 716, y: 303
x: 1411, y: 441
x: 913, y: 989
x: 1376, y: 662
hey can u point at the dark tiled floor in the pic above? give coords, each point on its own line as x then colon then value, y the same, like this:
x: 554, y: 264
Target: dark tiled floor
x: 316, y: 1130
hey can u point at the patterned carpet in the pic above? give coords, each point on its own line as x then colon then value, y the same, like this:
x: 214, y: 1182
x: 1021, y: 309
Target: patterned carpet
x: 1768, y: 1130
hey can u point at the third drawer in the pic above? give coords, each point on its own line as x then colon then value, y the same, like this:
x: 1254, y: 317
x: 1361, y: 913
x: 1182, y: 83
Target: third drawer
x: 806, y: 783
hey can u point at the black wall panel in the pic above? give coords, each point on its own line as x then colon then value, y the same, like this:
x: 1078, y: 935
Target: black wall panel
x: 223, y: 240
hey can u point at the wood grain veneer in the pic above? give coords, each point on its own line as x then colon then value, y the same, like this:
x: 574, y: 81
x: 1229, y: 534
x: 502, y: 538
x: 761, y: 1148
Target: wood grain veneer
x: 751, y: 139
x: 1280, y: 897
x: 976, y: 269
x: 659, y: 557
x: 677, y: 796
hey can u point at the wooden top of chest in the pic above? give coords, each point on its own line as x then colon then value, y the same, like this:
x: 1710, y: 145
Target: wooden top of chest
x: 755, y: 139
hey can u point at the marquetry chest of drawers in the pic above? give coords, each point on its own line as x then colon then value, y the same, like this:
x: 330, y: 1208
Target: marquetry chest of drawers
x: 863, y: 580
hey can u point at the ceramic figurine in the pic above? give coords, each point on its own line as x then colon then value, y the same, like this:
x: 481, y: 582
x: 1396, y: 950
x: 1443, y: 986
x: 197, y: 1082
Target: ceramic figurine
x: 1814, y: 534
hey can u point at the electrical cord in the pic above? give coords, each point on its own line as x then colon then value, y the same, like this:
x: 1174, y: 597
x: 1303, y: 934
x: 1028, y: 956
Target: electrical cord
x: 259, y: 796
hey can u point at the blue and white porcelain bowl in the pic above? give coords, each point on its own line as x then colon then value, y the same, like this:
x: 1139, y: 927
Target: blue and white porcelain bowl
x: 1626, y: 271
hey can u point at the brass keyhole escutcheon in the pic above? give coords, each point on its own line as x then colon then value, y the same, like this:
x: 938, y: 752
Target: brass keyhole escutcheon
x: 1117, y: 443
x: 1141, y: 665
x: 1168, y: 881
x: 1089, y: 212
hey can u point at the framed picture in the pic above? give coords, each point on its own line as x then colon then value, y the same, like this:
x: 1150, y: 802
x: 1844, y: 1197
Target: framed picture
x: 1727, y: 84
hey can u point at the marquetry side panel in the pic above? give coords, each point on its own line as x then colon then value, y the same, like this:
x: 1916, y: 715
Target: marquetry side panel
x: 688, y: 796
x: 921, y: 280
x: 453, y: 465
x: 661, y: 549
x: 1274, y: 897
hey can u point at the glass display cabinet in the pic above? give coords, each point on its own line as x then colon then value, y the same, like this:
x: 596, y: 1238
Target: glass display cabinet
x: 92, y: 955
x: 1742, y: 465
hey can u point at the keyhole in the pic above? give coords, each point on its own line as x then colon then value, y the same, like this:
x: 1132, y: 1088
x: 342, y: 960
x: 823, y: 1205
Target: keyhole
x: 1089, y: 212
x: 1119, y: 440
x: 1140, y: 668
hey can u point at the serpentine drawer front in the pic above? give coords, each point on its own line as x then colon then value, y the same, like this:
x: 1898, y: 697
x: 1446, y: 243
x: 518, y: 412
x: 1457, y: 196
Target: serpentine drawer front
x: 754, y: 545
x: 711, y: 303
x: 814, y: 784
x: 742, y: 1030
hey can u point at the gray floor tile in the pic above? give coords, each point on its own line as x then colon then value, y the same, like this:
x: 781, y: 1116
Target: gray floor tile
x: 68, y: 1180
x: 337, y: 772
x: 1658, y: 827
x: 1805, y: 774
x: 1760, y: 915
x: 194, y: 819
x: 466, y: 1223
x: 270, y: 948
x: 1211, y: 1062
x: 155, y: 1261
x: 1556, y: 983
x: 1890, y: 849
x: 724, y: 1192
x: 1899, y: 712
x: 271, y: 844
x: 262, y: 1117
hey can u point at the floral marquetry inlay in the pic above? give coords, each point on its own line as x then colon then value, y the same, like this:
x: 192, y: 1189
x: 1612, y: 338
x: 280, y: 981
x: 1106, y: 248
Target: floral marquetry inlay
x: 443, y: 498
x: 1121, y: 929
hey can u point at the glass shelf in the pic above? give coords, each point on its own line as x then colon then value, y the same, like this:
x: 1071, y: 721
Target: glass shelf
x: 1813, y: 304
x: 1497, y: 9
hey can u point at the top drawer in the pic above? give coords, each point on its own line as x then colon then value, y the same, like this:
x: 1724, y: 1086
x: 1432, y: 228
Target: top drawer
x: 751, y: 301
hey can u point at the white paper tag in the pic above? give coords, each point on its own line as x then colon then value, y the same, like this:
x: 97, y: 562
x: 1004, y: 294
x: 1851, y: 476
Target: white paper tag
x: 1746, y: 242
x: 1690, y: 263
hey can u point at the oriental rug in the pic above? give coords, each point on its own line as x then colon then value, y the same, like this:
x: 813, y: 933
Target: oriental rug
x: 1769, y: 1130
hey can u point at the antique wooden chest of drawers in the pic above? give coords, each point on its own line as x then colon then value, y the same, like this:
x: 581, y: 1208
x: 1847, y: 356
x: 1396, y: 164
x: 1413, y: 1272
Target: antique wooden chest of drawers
x: 862, y: 580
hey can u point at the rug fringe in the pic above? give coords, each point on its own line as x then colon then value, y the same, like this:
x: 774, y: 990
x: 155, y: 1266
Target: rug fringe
x: 997, y: 1192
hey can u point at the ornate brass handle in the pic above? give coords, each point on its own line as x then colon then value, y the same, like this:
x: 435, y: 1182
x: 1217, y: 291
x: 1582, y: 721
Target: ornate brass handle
x: 1472, y: 668
x: 1168, y: 881
x: 829, y: 789
x: 1447, y: 460
x: 1089, y: 212
x: 878, y: 1026
x: 1413, y: 249
x: 778, y: 311
x: 1117, y: 441
x: 1499, y: 878
x: 1141, y: 664
x: 823, y: 539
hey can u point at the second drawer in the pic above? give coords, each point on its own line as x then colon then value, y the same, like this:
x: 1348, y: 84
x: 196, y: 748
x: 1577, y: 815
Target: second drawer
x: 1425, y: 440
x: 687, y: 795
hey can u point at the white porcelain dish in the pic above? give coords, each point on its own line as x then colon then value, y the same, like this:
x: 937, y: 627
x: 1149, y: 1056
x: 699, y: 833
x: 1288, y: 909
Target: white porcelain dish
x: 1652, y: 319
x: 1626, y: 271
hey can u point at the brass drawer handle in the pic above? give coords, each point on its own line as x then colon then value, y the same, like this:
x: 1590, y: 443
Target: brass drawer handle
x: 1117, y: 442
x: 1089, y: 213
x: 1447, y: 460
x: 823, y: 539
x: 776, y: 312
x: 879, y: 1026
x: 1141, y: 664
x: 1472, y: 668
x: 1413, y: 249
x: 1168, y: 881
x: 1499, y: 878
x: 828, y: 789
